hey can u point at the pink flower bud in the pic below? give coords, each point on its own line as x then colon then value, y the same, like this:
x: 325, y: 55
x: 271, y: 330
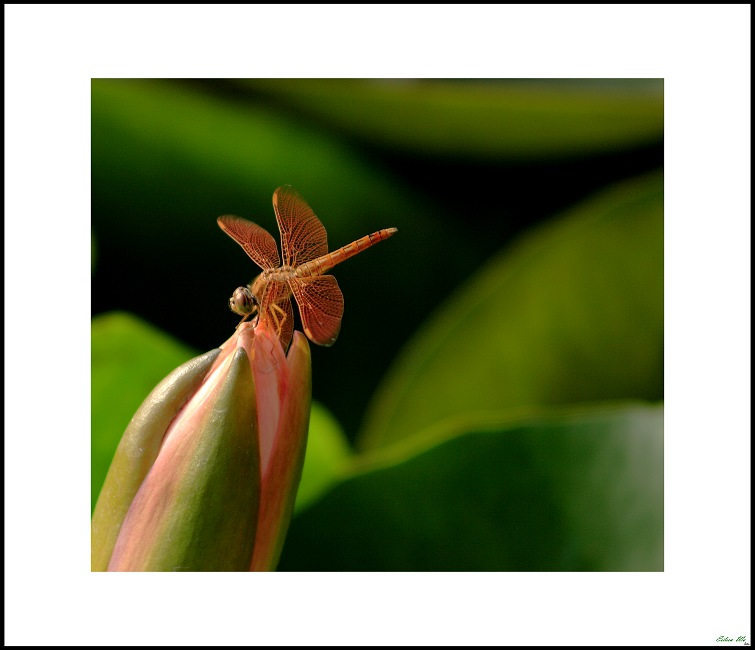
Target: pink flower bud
x: 216, y: 491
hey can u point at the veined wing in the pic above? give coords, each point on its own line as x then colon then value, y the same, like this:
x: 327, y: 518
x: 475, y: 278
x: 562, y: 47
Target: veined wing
x: 320, y: 306
x: 303, y: 237
x: 255, y: 240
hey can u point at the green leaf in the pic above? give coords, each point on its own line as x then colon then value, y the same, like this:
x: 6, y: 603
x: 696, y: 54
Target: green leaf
x: 580, y: 489
x: 129, y: 358
x: 572, y: 313
x: 506, y: 119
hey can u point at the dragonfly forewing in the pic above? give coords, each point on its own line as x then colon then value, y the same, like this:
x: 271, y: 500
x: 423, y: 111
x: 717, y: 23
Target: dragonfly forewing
x: 303, y: 237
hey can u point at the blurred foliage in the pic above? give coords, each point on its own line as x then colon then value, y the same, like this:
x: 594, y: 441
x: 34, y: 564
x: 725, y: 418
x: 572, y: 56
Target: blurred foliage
x: 576, y: 491
x: 541, y: 119
x: 572, y: 313
x: 526, y: 274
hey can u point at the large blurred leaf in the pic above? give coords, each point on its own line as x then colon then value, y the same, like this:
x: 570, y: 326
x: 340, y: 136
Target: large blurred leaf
x: 578, y: 491
x: 572, y: 313
x: 130, y: 357
x: 504, y: 119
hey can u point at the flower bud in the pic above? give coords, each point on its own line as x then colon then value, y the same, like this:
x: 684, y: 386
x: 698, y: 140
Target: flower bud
x: 205, y: 477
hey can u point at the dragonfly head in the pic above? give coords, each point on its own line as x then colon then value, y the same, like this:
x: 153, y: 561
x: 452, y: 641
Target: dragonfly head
x: 243, y: 302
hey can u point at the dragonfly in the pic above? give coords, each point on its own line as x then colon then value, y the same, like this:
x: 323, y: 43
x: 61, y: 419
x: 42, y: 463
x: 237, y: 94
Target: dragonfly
x: 304, y: 244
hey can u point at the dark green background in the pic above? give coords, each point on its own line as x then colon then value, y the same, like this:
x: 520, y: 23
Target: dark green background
x: 526, y: 276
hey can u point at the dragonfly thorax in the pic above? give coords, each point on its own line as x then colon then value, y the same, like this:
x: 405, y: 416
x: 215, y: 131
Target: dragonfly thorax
x: 272, y: 285
x: 281, y: 274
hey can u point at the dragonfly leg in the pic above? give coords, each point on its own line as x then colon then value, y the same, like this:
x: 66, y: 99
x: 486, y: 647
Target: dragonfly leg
x: 279, y: 316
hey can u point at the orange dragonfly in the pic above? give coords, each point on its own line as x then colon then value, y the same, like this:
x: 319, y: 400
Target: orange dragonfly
x: 305, y: 259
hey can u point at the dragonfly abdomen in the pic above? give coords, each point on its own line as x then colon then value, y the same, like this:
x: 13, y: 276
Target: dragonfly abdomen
x: 329, y: 260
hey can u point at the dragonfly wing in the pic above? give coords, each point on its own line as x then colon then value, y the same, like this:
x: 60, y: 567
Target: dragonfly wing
x: 255, y: 240
x: 321, y: 307
x: 303, y: 237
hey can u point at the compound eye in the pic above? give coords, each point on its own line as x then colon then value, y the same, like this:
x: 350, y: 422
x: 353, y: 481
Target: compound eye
x: 242, y: 302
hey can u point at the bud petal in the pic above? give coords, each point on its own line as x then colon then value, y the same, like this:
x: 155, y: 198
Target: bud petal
x: 197, y: 508
x: 206, y: 475
x: 138, y: 450
x: 283, y: 460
